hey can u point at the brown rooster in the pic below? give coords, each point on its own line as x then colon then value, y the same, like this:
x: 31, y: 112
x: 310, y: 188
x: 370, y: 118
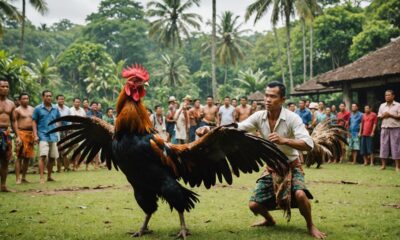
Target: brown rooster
x: 152, y: 166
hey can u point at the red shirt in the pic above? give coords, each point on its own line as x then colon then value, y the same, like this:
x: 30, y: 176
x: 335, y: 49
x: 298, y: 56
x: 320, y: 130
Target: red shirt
x: 368, y: 122
x: 343, y: 118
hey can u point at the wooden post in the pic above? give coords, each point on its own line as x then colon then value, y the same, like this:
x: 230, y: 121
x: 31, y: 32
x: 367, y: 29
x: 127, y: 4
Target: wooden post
x: 347, y: 94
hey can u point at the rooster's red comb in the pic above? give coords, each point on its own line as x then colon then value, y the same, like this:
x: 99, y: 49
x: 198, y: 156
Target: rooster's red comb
x: 136, y: 71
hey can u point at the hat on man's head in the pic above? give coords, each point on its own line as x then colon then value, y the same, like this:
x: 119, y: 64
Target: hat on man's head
x: 171, y: 99
x: 187, y: 97
x: 313, y: 105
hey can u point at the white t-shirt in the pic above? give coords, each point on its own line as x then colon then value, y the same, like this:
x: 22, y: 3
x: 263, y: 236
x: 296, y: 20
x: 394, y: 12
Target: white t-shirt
x: 226, y: 114
x: 79, y: 112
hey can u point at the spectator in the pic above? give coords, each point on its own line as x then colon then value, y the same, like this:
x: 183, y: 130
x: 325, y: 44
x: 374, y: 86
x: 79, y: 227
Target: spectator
x: 226, y: 112
x: 170, y: 121
x: 367, y: 131
x: 195, y: 118
x: 93, y: 111
x: 321, y: 115
x: 354, y: 129
x: 182, y: 122
x: 291, y: 107
x: 25, y: 150
x: 109, y: 116
x: 62, y: 160
x: 42, y: 115
x: 209, y: 113
x: 330, y: 116
x: 304, y: 113
x: 85, y: 105
x: 313, y: 109
x: 333, y: 110
x: 243, y: 111
x: 389, y: 112
x: 76, y: 110
x: 307, y: 103
x: 254, y: 107
x: 234, y: 102
x: 158, y: 121
x: 321, y: 110
x: 343, y: 116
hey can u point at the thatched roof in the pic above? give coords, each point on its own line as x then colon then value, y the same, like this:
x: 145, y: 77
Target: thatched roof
x: 311, y: 87
x: 256, y: 96
x: 384, y: 62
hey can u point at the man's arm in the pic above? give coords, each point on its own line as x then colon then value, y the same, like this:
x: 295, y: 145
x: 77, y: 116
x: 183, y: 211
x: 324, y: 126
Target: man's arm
x: 14, y: 124
x: 217, y: 120
x: 237, y: 115
x: 361, y: 127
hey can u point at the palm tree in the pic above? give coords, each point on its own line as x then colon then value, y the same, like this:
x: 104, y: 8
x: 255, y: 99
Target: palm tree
x: 284, y: 8
x: 172, y: 21
x: 45, y: 73
x: 213, y: 50
x: 252, y: 81
x: 9, y: 11
x: 41, y: 7
x: 173, y: 70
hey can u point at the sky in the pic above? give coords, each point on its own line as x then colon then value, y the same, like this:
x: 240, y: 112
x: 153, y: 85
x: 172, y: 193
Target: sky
x: 77, y: 10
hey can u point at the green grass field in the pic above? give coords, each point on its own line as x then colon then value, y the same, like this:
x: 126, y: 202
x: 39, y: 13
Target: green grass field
x: 100, y: 205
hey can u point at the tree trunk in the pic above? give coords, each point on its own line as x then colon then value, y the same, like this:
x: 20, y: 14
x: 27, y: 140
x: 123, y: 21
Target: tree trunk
x: 303, y: 28
x: 226, y: 73
x: 213, y: 50
x: 21, y: 46
x: 311, y: 51
x: 279, y: 54
x: 289, y: 57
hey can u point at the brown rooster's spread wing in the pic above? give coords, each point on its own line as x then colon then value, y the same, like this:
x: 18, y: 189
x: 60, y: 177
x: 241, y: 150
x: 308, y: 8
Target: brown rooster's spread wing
x: 328, y: 140
x: 91, y: 134
x: 219, y: 153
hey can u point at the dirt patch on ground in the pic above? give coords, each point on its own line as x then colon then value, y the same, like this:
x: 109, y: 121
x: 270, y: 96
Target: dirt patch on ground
x: 352, y: 183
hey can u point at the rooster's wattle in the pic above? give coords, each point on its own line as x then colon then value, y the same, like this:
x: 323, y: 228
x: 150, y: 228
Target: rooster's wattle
x: 152, y: 166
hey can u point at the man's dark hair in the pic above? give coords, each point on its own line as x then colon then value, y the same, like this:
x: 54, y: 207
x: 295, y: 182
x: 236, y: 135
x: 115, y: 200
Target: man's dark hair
x: 59, y: 95
x: 85, y: 99
x: 45, y: 91
x: 303, y: 100
x: 227, y: 97
x: 322, y: 102
x: 196, y: 100
x: 290, y: 104
x: 209, y: 96
x: 281, y: 86
x: 93, y: 103
x: 356, y: 104
x: 390, y: 90
x: 108, y: 109
x: 4, y: 80
x: 234, y: 99
x: 23, y: 94
x: 367, y: 105
x: 243, y: 97
x: 157, y: 106
x: 75, y: 98
x: 343, y: 103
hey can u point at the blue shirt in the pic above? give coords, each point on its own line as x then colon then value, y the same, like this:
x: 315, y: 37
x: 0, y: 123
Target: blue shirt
x: 42, y: 116
x: 354, y: 123
x: 305, y: 115
x: 98, y: 114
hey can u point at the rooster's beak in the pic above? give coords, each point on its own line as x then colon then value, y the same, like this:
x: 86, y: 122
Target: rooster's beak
x: 146, y: 84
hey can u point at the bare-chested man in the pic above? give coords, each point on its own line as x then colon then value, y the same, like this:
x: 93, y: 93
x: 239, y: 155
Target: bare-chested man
x: 26, y: 149
x: 194, y: 118
x: 7, y: 108
x: 209, y: 113
x: 243, y: 111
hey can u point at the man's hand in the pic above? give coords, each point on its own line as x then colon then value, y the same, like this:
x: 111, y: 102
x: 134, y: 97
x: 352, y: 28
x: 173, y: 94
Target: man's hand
x: 372, y: 134
x: 275, y: 138
x: 386, y: 115
x: 202, y: 131
x: 18, y: 141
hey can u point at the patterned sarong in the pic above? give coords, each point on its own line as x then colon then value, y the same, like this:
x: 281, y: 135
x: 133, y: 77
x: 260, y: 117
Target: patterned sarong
x: 27, y: 147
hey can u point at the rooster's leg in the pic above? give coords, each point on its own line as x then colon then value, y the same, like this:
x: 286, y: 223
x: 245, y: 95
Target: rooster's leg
x: 144, y: 229
x: 184, y: 231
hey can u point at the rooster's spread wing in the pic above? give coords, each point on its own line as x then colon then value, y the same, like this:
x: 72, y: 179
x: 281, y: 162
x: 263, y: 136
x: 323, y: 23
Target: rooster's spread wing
x: 91, y: 134
x: 219, y: 153
x: 328, y: 140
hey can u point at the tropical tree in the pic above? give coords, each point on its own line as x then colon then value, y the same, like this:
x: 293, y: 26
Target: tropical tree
x: 41, y: 7
x: 46, y: 73
x: 213, y: 49
x: 172, y: 21
x: 252, y: 81
x: 9, y: 11
x: 172, y: 70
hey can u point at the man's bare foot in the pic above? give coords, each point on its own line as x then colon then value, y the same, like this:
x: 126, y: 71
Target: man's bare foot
x: 397, y: 169
x: 5, y: 189
x: 314, y: 232
x: 25, y: 181
x: 382, y: 168
x: 18, y: 181
x: 264, y: 223
x: 42, y: 181
x: 50, y: 179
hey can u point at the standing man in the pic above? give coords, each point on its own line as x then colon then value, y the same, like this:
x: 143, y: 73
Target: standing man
x: 287, y: 131
x: 304, y: 113
x: 158, y: 121
x: 76, y: 110
x: 170, y: 121
x: 194, y: 118
x: 25, y: 151
x: 234, y: 102
x: 93, y: 111
x: 86, y: 105
x: 7, y: 119
x: 182, y: 123
x: 210, y: 113
x: 343, y: 118
x: 42, y: 115
x: 354, y: 130
x: 64, y: 111
x: 367, y: 132
x: 389, y: 112
x: 243, y: 111
x: 226, y: 113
